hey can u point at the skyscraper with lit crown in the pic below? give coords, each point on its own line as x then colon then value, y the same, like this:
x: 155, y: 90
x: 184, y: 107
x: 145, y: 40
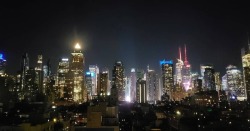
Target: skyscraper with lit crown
x: 178, y: 69
x: 186, y: 72
x: 77, y: 70
x: 167, y: 79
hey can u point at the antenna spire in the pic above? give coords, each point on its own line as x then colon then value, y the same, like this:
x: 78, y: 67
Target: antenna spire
x: 185, y: 51
x: 180, y: 52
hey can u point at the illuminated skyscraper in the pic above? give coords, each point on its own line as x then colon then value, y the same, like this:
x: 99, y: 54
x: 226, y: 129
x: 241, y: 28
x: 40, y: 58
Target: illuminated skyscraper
x: 118, y: 80
x: 2, y: 65
x: 178, y: 69
x: 235, y: 87
x: 63, y: 69
x: 94, y: 70
x: 141, y: 91
x: 133, y: 85
x: 152, y: 86
x: 103, y: 84
x: 24, y: 69
x: 209, y: 79
x: 31, y: 88
x: 245, y: 54
x: 186, y: 72
x: 167, y: 79
x: 202, y: 69
x: 106, y: 70
x: 77, y: 69
x: 39, y: 74
x: 88, y: 82
x: 217, y: 81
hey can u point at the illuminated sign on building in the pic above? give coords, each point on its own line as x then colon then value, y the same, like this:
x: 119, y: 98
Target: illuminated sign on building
x: 166, y: 62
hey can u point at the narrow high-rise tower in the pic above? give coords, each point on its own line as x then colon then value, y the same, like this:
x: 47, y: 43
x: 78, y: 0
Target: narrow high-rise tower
x: 117, y: 80
x: 167, y: 79
x: 152, y: 86
x: 245, y: 55
x: 178, y: 69
x: 76, y: 70
x: 186, y: 71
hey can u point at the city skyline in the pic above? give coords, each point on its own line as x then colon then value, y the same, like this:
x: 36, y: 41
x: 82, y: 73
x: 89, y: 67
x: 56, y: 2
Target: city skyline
x: 135, y: 35
x: 124, y: 66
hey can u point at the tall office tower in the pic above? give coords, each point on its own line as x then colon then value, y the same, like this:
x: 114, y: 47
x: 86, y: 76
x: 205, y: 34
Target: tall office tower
x: 106, y: 70
x: 133, y: 85
x: 24, y: 69
x: 6, y: 92
x: 178, y: 69
x: 103, y: 84
x: 209, y: 79
x: 77, y: 68
x: 202, y: 69
x: 39, y: 74
x: 117, y: 80
x: 46, y: 77
x: 141, y: 91
x: 62, y: 70
x: 31, y: 88
x: 94, y: 70
x: 186, y: 72
x: 88, y: 81
x: 235, y: 87
x: 2, y: 65
x: 217, y: 81
x: 152, y: 86
x: 245, y: 55
x: 167, y: 79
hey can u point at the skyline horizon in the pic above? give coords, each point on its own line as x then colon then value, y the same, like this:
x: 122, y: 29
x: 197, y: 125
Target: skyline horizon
x: 55, y: 67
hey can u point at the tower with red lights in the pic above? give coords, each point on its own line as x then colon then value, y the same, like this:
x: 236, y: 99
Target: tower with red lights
x: 186, y: 71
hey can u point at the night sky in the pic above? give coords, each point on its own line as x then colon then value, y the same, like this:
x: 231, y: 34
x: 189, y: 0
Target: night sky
x: 137, y: 33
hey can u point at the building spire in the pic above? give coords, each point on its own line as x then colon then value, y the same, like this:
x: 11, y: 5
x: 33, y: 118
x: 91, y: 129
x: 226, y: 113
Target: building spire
x: 185, y: 52
x: 180, y: 52
x: 77, y: 46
